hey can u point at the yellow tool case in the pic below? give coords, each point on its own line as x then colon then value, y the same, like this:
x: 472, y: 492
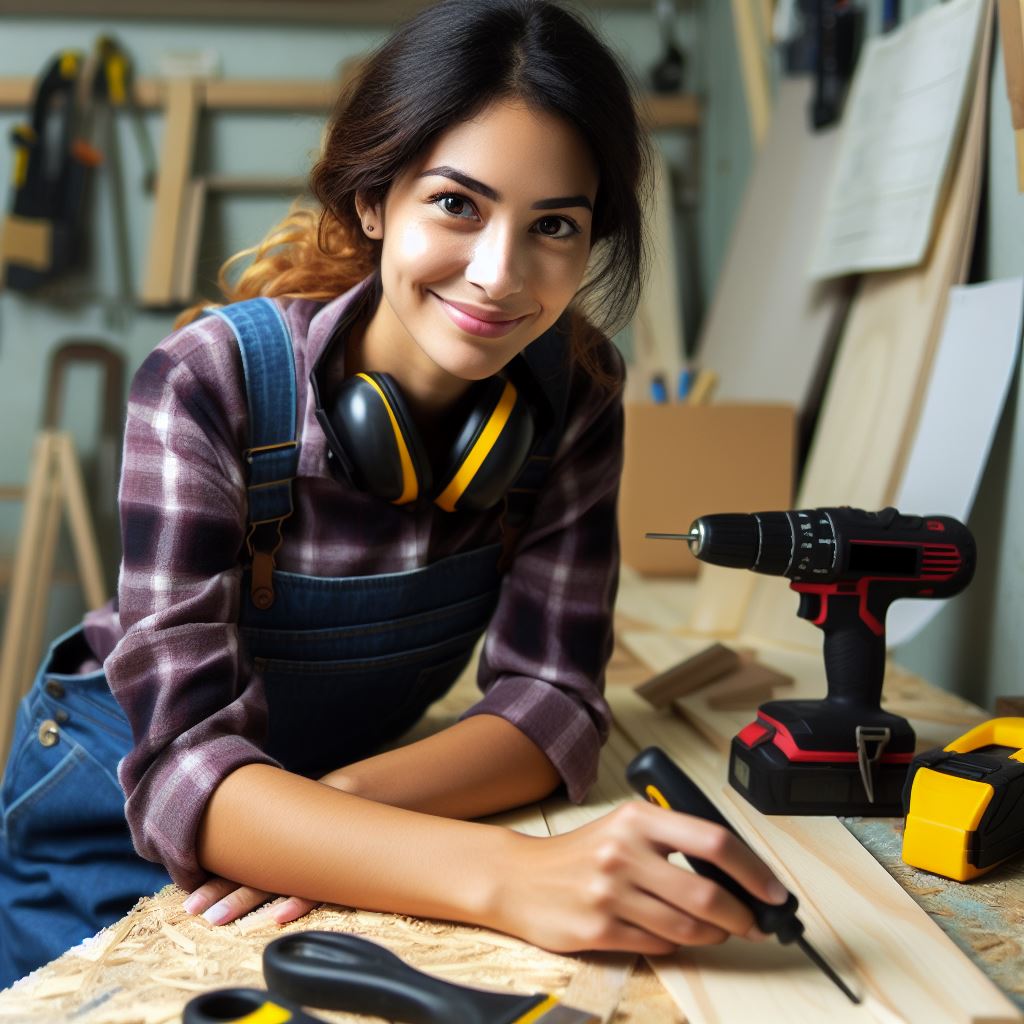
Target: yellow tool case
x: 965, y: 802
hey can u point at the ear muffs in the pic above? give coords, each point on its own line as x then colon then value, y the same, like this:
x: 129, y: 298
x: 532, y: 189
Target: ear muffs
x: 384, y: 454
x: 489, y: 451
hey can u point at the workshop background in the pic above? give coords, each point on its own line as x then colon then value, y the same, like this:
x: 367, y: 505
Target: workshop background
x: 974, y: 645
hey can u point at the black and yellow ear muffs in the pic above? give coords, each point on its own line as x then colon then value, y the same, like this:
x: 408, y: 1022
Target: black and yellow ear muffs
x: 385, y: 456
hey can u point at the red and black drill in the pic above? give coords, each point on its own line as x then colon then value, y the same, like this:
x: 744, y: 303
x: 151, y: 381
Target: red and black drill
x: 843, y: 754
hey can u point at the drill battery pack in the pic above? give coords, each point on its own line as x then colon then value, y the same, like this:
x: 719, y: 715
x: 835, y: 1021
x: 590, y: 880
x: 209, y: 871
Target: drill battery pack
x: 821, y: 757
x: 965, y: 802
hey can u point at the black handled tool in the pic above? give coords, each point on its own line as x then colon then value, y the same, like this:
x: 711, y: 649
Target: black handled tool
x: 244, y: 1004
x: 337, y: 971
x: 655, y: 776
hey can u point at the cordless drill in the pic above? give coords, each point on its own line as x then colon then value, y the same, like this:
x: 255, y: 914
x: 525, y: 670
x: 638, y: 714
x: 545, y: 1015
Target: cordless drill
x: 843, y: 754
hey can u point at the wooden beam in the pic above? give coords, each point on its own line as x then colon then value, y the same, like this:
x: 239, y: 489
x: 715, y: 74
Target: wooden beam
x: 316, y: 96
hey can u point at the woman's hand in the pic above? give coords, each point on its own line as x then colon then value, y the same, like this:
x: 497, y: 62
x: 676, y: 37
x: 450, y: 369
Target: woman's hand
x: 609, y: 885
x: 221, y: 901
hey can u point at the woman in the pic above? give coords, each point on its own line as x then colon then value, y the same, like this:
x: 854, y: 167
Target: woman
x: 328, y: 497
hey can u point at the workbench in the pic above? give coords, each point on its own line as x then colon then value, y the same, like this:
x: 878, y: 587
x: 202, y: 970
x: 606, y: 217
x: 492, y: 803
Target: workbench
x: 145, y: 967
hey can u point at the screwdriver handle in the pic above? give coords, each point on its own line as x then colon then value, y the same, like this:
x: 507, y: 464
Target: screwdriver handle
x: 656, y: 777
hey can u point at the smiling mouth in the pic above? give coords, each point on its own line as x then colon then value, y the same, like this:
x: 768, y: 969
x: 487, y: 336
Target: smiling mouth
x: 472, y: 324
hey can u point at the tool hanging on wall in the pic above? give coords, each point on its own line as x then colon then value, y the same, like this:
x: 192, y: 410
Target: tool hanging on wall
x: 106, y: 86
x: 41, y: 235
x: 840, y: 28
x: 667, y: 74
x: 55, y: 485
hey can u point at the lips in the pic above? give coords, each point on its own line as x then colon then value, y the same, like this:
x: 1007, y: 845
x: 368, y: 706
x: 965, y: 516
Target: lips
x: 474, y: 322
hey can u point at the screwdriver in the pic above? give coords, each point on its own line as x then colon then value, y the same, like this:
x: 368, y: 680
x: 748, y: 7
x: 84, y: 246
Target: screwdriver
x: 655, y: 776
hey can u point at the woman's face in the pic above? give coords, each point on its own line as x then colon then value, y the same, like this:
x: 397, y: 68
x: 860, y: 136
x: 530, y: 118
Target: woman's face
x: 485, y: 240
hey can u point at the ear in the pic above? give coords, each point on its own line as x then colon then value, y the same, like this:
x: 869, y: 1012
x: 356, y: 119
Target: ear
x: 371, y: 217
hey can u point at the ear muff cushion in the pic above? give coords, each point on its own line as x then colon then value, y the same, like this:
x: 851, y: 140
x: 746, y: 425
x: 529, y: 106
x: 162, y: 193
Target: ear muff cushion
x: 372, y: 424
x: 490, y: 450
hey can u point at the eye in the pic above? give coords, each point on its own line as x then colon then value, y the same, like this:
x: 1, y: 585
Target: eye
x: 550, y: 227
x: 453, y: 204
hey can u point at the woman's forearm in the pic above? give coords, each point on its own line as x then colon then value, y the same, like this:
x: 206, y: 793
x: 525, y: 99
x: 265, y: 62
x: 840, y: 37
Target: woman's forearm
x: 479, y: 766
x: 280, y: 832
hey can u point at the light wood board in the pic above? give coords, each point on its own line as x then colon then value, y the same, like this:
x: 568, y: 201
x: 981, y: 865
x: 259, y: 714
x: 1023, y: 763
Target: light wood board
x: 855, y: 914
x: 769, y: 328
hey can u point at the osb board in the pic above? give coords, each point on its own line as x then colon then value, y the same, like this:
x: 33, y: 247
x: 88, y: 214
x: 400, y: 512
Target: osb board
x: 879, y: 380
x: 146, y: 967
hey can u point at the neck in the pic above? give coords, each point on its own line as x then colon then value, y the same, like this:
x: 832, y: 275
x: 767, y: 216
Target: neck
x: 383, y: 345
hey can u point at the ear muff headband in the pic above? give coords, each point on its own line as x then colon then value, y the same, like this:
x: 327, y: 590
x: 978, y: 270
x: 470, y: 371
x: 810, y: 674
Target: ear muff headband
x: 410, y: 486
x: 479, y: 451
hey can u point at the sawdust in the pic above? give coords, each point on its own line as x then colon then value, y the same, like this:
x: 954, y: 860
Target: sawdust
x: 146, y: 967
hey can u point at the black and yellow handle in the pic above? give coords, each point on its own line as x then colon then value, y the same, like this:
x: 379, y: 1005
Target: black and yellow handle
x: 337, y: 971
x: 656, y: 777
x: 244, y: 1006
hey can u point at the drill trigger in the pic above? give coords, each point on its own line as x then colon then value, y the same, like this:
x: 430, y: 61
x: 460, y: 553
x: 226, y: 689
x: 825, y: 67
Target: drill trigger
x: 867, y: 758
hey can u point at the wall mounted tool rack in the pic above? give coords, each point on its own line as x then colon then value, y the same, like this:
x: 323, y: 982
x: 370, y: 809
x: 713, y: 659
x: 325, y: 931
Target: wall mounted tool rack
x: 169, y: 274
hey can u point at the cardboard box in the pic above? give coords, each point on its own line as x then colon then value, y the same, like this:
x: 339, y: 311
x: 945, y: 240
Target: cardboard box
x: 683, y: 461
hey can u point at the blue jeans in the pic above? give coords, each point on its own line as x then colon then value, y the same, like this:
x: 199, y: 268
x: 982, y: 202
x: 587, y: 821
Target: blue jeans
x: 67, y: 864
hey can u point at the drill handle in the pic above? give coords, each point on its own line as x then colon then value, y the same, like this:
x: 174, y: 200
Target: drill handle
x: 854, y: 644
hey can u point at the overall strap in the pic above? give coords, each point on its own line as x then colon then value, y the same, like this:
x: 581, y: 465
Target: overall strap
x: 264, y: 342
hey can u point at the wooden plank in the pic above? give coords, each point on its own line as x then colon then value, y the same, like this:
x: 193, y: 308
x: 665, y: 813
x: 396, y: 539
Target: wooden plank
x: 694, y: 672
x: 855, y: 914
x: 83, y: 532
x: 880, y: 377
x: 318, y: 96
x: 753, y: 68
x: 1011, y: 33
x: 166, y: 231
x: 658, y: 324
x: 24, y: 580
x: 769, y: 330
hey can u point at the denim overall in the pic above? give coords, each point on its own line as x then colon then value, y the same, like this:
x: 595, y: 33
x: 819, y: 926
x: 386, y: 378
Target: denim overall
x: 348, y: 663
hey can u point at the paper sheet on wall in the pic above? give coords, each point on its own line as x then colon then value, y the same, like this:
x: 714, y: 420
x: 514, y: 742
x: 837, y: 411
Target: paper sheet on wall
x: 973, y: 370
x: 902, y: 119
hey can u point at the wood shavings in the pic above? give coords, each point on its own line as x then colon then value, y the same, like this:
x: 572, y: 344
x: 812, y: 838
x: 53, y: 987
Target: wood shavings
x: 181, y: 941
x: 186, y: 984
x: 59, y: 986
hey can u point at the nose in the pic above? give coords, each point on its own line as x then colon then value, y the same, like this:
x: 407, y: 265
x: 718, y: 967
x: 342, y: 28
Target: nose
x: 496, y: 264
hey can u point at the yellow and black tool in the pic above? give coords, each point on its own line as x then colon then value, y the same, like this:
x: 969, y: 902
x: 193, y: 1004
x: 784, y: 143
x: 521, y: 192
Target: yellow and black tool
x: 965, y: 802
x: 337, y: 971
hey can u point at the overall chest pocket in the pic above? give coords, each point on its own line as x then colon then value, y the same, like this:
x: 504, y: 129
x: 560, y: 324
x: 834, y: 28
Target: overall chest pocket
x: 324, y: 714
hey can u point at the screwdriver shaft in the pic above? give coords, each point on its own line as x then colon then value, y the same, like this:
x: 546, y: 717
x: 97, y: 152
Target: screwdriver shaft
x: 816, y: 958
x: 672, y: 536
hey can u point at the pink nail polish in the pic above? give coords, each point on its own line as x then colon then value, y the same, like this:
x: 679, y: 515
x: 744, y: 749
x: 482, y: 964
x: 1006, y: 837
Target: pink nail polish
x: 192, y: 904
x: 218, y: 913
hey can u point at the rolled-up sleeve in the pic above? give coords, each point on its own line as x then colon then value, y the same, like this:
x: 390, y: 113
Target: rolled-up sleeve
x: 543, y: 661
x: 196, y: 710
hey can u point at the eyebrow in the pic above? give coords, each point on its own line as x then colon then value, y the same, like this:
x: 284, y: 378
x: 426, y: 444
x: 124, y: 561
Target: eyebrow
x: 556, y: 203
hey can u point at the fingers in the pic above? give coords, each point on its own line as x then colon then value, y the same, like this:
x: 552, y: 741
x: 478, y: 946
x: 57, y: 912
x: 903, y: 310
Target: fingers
x: 290, y: 909
x: 710, y: 842
x: 698, y: 898
x: 221, y: 901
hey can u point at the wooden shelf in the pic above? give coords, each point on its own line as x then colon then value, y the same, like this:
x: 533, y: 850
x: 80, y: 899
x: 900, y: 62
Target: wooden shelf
x: 352, y: 12
x: 317, y: 95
